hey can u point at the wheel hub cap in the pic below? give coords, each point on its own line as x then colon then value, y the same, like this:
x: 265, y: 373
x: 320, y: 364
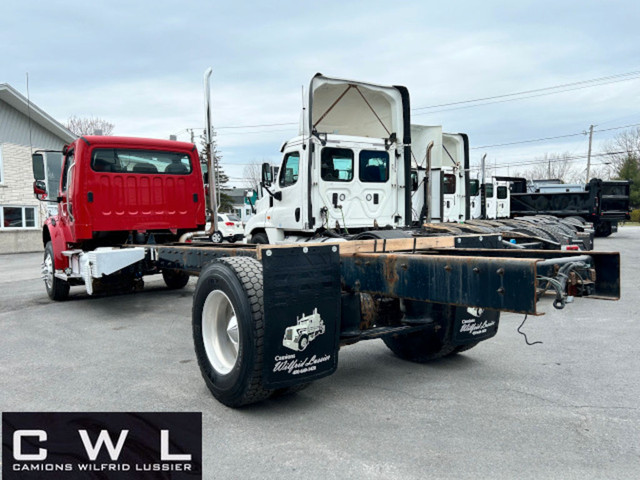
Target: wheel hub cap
x: 220, y: 332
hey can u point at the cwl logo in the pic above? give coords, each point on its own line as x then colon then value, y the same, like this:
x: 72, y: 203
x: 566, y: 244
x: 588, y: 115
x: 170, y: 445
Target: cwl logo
x: 116, y: 444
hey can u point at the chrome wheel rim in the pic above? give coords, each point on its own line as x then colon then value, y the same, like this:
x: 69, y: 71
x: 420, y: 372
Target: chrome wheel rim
x: 47, y: 270
x: 216, y: 238
x: 220, y: 332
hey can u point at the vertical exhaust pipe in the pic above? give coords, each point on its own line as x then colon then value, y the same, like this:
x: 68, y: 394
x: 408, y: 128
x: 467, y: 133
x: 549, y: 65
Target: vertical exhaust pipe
x: 212, y: 182
x: 429, y: 180
x: 483, y: 196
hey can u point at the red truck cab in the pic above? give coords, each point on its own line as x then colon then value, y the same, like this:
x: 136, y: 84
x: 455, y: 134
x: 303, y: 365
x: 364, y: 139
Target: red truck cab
x: 117, y: 190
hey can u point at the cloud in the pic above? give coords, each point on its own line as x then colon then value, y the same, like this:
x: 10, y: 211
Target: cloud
x: 139, y: 64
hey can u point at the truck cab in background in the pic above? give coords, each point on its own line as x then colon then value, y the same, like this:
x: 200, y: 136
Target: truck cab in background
x: 346, y: 172
x: 497, y: 198
x: 112, y: 191
x: 446, y: 155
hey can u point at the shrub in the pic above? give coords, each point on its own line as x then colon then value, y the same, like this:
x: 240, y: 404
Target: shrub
x: 635, y: 215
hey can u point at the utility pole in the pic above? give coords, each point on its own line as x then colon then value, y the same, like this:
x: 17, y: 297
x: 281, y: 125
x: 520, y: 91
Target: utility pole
x: 589, y: 153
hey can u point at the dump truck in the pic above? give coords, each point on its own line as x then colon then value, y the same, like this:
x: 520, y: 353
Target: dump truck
x: 603, y: 203
x: 124, y: 213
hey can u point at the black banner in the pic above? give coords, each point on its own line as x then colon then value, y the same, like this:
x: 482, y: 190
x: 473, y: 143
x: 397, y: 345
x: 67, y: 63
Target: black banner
x: 101, y: 445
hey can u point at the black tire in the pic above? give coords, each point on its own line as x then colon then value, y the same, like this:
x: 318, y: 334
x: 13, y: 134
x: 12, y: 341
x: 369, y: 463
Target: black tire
x: 426, y: 345
x: 420, y: 347
x: 603, y: 229
x: 57, y: 289
x: 260, y: 238
x: 239, y: 280
x: 282, y: 392
x: 464, y: 348
x: 581, y: 220
x: 175, y: 279
x: 216, y: 237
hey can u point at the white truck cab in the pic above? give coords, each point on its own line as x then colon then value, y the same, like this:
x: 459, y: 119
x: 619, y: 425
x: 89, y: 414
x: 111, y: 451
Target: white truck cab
x: 497, y: 200
x: 447, y: 157
x: 346, y: 172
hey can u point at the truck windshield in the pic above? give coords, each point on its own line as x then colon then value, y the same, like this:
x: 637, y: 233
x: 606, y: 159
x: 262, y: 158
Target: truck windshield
x: 140, y: 161
x: 374, y: 166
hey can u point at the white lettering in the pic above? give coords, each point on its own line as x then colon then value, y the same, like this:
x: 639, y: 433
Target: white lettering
x: 17, y: 445
x: 165, y: 456
x: 103, y: 438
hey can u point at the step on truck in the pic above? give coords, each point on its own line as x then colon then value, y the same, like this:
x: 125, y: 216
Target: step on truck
x: 425, y: 296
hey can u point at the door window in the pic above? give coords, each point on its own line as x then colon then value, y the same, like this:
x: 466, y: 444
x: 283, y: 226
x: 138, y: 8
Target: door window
x: 502, y: 193
x: 289, y: 170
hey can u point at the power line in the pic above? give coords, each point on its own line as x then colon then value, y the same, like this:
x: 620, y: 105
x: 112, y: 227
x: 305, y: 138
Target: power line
x: 580, y: 85
x: 632, y: 75
x: 528, y: 141
x: 553, y: 138
x: 552, y: 160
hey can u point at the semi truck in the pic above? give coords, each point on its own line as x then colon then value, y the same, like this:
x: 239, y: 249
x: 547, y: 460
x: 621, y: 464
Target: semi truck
x: 125, y: 211
x: 307, y: 328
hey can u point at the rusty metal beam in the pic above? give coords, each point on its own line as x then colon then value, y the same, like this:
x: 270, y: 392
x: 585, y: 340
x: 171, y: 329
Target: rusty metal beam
x: 506, y: 284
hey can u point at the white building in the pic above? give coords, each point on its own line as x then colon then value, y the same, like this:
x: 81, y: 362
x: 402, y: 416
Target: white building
x: 23, y: 128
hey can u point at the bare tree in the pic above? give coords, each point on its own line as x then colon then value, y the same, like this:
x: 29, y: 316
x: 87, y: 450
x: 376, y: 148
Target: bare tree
x: 554, y: 165
x: 89, y: 126
x: 624, y: 146
x: 253, y: 175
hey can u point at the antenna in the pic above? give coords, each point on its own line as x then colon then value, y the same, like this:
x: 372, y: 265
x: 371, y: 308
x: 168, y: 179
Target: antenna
x: 29, y: 114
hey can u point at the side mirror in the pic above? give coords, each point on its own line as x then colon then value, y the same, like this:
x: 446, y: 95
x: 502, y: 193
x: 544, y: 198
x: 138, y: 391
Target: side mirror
x: 37, y: 160
x: 40, y: 190
x: 267, y: 174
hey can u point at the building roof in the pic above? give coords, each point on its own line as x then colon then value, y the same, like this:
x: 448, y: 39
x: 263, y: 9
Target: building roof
x: 12, y: 97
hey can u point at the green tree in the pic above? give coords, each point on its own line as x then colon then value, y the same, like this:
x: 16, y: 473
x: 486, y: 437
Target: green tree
x: 624, y: 152
x: 218, y: 176
x: 630, y: 170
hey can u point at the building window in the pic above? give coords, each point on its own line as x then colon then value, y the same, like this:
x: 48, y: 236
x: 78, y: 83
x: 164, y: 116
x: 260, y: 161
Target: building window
x: 17, y: 217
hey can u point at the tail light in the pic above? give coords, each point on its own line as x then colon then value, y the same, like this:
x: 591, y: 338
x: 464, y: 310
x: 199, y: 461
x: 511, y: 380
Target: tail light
x: 230, y: 224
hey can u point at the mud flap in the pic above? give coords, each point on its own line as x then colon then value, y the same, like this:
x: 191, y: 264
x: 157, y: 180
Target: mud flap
x: 301, y: 314
x: 474, y: 325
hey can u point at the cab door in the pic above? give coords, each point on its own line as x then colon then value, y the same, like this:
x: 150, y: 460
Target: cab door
x: 288, y: 212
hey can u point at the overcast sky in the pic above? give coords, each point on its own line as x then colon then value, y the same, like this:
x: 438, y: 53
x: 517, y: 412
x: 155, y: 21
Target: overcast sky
x: 140, y: 64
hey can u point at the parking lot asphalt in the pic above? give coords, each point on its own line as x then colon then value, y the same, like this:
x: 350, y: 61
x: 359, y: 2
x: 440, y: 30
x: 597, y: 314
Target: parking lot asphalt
x: 567, y: 408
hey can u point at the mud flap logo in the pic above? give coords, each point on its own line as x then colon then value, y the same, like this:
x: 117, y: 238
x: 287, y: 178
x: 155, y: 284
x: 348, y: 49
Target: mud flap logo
x: 306, y: 329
